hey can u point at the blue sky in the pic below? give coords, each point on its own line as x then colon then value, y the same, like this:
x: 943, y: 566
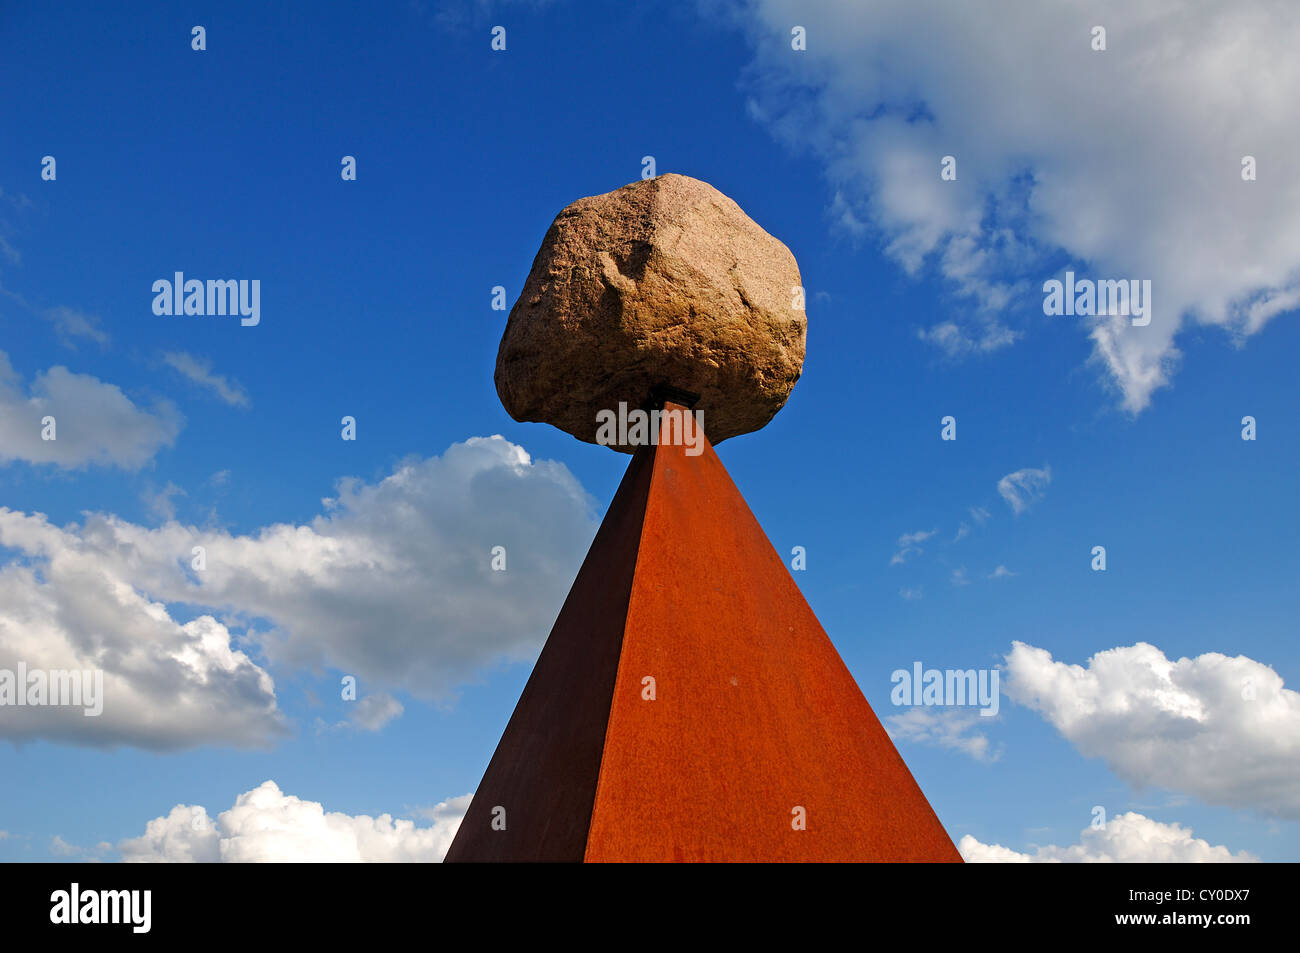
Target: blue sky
x: 375, y: 303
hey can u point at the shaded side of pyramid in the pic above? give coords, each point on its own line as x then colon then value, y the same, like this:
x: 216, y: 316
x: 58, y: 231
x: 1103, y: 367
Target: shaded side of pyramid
x: 535, y: 800
x: 688, y: 705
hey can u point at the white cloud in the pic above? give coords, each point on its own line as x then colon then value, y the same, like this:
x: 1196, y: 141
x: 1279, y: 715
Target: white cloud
x: 979, y: 515
x: 1024, y: 488
x: 373, y: 712
x: 911, y: 594
x: 1127, y: 163
x: 95, y: 423
x: 1002, y: 572
x: 61, y: 848
x: 266, y: 825
x: 953, y: 728
x: 909, y: 545
x: 957, y: 341
x: 71, y: 324
x: 89, y: 855
x: 1128, y: 838
x: 393, y: 583
x: 160, y: 501
x: 1220, y: 728
x: 960, y: 577
x: 448, y: 811
x: 186, y: 835
x: 66, y: 604
x: 199, y: 371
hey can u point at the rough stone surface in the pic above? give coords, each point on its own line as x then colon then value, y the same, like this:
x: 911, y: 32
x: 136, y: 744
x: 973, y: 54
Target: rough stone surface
x: 662, y: 282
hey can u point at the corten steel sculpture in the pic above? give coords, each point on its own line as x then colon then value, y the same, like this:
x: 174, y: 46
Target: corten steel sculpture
x: 687, y: 705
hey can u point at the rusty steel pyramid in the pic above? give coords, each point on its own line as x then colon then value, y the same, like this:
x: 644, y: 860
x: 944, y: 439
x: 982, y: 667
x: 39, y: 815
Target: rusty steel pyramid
x: 688, y: 706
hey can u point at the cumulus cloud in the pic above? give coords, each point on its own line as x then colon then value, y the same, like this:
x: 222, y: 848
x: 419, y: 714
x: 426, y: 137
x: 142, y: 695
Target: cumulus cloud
x: 185, y: 836
x: 1024, y: 488
x: 166, y: 684
x: 392, y: 583
x: 955, y: 728
x: 1220, y: 728
x: 1119, y: 164
x: 1128, y: 838
x: 909, y: 545
x: 199, y: 372
x: 95, y: 423
x: 266, y: 825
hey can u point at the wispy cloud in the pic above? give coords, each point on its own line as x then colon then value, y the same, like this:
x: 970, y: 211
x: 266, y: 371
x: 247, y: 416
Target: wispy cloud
x: 72, y: 325
x: 200, y: 372
x: 958, y: 342
x: 86, y: 855
x: 1024, y: 488
x: 953, y: 728
x: 1171, y: 206
x: 160, y: 501
x: 909, y: 546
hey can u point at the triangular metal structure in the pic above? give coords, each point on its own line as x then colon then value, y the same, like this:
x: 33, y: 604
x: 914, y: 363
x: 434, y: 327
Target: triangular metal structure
x: 688, y: 706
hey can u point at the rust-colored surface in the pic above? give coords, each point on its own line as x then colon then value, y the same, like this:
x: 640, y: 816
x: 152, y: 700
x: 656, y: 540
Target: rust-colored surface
x: 755, y: 714
x: 545, y: 766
